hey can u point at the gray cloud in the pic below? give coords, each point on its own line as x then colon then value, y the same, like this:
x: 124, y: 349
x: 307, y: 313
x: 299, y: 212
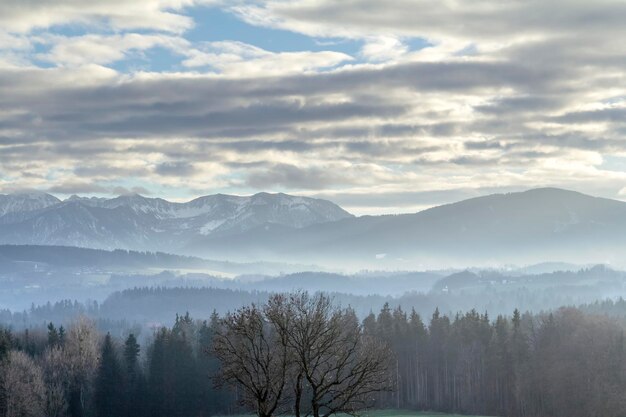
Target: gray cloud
x: 78, y: 187
x: 107, y: 171
x: 293, y: 177
x: 534, y: 103
x: 480, y: 20
x: 617, y: 115
x: 137, y: 109
x: 128, y: 191
x: 178, y: 169
x: 407, y: 200
x: 483, y: 145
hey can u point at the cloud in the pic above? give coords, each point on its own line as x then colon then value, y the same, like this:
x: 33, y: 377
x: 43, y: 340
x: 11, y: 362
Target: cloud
x: 337, y: 131
x: 104, y: 49
x: 72, y: 187
x: 129, y: 191
x: 78, y: 187
x: 290, y: 176
x: 178, y: 169
x: 383, y: 48
x: 482, y: 20
x: 281, y: 176
x: 165, y: 15
x: 237, y: 58
x: 504, y: 96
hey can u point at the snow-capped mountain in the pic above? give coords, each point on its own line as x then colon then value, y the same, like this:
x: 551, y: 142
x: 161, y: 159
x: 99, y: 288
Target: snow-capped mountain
x: 25, y: 202
x: 137, y: 222
x: 517, y: 228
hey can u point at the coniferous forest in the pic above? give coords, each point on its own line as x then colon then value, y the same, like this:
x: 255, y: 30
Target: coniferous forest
x: 565, y: 363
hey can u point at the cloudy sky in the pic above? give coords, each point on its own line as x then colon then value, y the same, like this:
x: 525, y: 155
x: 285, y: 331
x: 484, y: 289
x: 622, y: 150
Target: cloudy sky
x: 381, y: 106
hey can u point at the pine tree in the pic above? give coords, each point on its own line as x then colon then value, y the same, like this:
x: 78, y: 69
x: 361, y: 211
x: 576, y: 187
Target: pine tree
x: 61, y: 335
x: 108, y: 384
x: 131, y: 354
x: 159, y: 381
x: 213, y: 400
x: 6, y: 342
x: 53, y: 335
x: 134, y: 380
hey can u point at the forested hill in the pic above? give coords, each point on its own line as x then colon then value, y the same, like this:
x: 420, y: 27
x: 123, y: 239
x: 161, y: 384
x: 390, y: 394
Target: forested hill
x: 67, y: 256
x: 73, y: 256
x: 18, y: 258
x: 143, y: 306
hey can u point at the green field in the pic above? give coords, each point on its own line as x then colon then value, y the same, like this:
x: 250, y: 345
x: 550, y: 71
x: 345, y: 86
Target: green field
x: 392, y: 413
x: 407, y: 413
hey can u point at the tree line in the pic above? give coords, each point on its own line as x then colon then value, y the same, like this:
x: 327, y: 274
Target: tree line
x: 563, y: 364
x: 303, y: 355
x: 131, y: 309
x: 79, y: 372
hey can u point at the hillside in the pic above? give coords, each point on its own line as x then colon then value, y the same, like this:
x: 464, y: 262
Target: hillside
x: 527, y: 227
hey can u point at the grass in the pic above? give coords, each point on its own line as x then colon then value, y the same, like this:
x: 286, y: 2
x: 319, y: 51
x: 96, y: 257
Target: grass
x: 392, y: 413
x: 407, y: 413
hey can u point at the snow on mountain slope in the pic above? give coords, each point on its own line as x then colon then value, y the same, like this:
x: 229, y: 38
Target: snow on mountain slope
x: 518, y: 228
x: 134, y: 221
x: 23, y: 202
x: 527, y: 227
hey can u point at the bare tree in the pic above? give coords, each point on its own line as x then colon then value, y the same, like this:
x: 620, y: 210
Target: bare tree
x: 342, y: 367
x: 24, y: 386
x: 82, y: 358
x: 56, y: 375
x: 278, y: 311
x: 254, y: 357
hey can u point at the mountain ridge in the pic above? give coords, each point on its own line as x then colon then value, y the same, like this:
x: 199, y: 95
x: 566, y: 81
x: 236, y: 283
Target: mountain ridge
x: 137, y: 222
x: 532, y: 226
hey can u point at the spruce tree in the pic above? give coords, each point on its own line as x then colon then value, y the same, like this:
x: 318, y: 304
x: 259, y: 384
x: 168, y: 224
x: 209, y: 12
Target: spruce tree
x: 53, y: 335
x: 108, y: 384
x: 61, y: 335
x: 131, y: 354
x: 134, y: 391
x: 159, y: 381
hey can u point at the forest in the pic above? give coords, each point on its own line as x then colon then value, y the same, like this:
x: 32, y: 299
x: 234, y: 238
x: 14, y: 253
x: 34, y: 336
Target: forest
x: 568, y: 362
x: 120, y: 303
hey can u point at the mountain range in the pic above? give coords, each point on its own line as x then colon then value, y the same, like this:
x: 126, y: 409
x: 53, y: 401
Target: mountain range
x: 545, y: 224
x: 538, y: 225
x: 141, y: 223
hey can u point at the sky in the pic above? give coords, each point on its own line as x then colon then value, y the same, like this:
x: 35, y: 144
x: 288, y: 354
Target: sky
x: 380, y: 106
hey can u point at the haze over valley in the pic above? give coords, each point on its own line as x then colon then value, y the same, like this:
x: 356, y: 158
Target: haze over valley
x: 312, y: 208
x: 496, y: 252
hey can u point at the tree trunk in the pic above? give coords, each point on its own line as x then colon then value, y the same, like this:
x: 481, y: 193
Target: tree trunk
x: 298, y: 393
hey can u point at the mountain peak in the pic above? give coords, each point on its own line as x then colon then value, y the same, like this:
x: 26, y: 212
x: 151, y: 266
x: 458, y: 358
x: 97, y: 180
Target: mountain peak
x: 553, y: 191
x: 134, y: 221
x: 26, y: 201
x: 130, y: 196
